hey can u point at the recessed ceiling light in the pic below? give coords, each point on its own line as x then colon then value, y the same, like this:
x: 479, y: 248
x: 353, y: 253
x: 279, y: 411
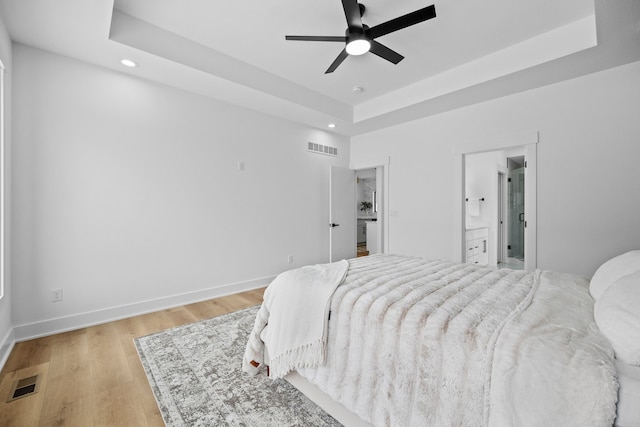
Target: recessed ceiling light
x: 128, y: 63
x: 331, y: 125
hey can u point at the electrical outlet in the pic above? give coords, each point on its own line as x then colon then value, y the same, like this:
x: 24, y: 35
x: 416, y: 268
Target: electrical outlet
x: 290, y: 259
x: 56, y: 295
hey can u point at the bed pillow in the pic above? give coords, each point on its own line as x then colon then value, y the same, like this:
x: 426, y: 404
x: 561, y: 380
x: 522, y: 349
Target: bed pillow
x: 612, y: 270
x: 617, y: 314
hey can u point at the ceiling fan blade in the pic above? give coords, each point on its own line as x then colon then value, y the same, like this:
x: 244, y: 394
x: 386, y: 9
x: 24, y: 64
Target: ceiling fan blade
x: 317, y: 38
x: 384, y: 52
x: 403, y: 21
x: 352, y: 13
x: 337, y: 61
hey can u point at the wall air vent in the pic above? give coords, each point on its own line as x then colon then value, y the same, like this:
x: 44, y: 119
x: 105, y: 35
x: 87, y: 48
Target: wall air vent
x: 322, y: 149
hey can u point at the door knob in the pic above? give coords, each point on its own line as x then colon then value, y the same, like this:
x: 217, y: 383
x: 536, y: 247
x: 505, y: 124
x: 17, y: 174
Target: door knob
x: 334, y: 225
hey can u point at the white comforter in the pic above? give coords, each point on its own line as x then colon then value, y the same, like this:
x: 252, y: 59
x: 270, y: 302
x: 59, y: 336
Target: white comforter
x: 413, y: 342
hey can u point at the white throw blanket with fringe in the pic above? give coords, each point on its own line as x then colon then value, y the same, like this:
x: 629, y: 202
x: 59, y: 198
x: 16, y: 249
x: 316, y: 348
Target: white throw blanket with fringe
x: 296, y: 308
x: 416, y: 342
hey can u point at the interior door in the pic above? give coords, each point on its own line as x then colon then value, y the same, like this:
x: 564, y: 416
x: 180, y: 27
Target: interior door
x: 342, y: 214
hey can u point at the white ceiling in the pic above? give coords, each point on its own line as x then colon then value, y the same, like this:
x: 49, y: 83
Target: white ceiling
x: 235, y: 50
x: 253, y: 32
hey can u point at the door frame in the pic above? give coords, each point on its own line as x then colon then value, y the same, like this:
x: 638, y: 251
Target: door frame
x: 525, y: 140
x: 382, y: 168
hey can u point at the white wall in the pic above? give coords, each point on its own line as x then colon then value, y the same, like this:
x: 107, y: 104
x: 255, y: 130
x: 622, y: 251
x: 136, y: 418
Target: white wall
x: 588, y: 188
x: 128, y: 191
x: 6, y: 330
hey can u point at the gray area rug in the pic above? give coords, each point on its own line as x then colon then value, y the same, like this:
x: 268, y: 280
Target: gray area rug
x: 195, y: 374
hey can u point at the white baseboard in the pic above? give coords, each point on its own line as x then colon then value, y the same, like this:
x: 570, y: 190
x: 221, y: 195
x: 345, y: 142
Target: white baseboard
x: 83, y: 320
x: 6, y: 345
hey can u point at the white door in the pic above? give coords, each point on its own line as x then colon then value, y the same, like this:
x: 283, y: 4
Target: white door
x: 342, y: 214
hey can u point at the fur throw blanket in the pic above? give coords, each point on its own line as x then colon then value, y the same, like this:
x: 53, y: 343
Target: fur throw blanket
x: 296, y: 308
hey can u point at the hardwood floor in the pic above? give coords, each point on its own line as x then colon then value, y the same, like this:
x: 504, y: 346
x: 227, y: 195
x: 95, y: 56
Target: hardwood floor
x: 362, y: 250
x: 93, y: 376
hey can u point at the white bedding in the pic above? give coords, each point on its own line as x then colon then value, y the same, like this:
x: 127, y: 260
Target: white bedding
x: 416, y: 342
x: 628, y: 395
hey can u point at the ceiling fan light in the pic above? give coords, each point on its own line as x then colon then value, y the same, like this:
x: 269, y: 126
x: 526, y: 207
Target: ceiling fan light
x: 358, y: 46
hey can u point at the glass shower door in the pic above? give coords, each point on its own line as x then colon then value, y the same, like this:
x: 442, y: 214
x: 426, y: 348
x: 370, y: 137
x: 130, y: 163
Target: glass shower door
x: 515, y: 237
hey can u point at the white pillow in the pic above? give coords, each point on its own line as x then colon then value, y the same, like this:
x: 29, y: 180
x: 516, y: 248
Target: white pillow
x: 612, y: 270
x: 617, y: 314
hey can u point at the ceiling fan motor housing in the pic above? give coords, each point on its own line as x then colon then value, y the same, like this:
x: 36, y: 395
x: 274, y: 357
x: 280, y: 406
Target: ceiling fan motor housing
x: 358, y: 41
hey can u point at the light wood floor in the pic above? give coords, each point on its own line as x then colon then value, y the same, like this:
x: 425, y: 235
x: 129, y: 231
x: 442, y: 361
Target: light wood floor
x: 93, y: 376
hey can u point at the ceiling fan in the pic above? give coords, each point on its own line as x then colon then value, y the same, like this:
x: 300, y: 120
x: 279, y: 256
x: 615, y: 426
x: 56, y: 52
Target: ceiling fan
x: 360, y: 39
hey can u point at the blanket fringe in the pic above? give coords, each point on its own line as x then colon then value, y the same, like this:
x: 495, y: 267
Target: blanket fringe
x: 306, y: 356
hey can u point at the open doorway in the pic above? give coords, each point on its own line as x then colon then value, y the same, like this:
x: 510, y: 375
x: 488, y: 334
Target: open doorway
x: 513, y: 145
x: 495, y: 223
x: 357, y: 196
x: 367, y: 209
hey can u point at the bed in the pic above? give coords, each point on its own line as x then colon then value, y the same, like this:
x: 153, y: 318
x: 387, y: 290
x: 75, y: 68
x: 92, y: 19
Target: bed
x: 403, y: 341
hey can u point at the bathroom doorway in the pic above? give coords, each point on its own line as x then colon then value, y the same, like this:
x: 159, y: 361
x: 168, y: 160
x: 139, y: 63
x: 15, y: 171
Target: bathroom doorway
x: 495, y: 223
x: 515, y: 145
x: 367, y: 209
